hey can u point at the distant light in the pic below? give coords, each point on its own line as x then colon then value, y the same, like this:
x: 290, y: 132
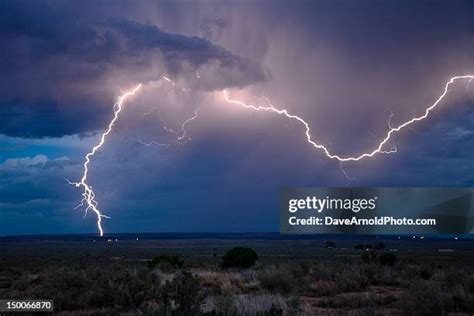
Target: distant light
x: 414, y: 237
x: 455, y: 238
x: 422, y: 237
x: 137, y: 238
x: 116, y: 239
x: 93, y: 240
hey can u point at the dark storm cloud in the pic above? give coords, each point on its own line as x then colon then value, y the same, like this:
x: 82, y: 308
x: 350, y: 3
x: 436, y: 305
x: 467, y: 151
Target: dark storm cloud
x: 59, y: 65
x: 341, y: 65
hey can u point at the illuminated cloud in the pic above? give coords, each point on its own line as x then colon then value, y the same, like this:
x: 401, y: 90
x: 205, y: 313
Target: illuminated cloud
x: 58, y: 65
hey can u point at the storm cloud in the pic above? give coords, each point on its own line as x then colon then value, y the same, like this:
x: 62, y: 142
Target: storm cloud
x: 343, y: 66
x: 59, y: 64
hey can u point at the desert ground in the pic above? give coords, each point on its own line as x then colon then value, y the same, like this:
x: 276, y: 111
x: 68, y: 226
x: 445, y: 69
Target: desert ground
x: 325, y: 275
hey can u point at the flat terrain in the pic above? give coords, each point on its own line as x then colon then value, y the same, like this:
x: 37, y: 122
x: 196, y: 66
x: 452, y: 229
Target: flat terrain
x: 293, y: 276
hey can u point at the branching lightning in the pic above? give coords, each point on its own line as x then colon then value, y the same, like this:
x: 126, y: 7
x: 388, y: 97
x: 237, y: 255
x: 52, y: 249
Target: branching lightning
x: 89, y: 195
x: 182, y: 133
x: 378, y: 150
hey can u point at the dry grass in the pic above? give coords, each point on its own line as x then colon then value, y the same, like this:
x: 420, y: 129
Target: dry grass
x: 347, y: 286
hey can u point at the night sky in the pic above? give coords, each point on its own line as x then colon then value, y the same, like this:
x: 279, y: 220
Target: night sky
x: 342, y: 65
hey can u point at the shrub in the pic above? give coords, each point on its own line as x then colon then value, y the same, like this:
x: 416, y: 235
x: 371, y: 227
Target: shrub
x: 426, y: 272
x: 74, y: 289
x: 324, y: 287
x: 260, y: 304
x: 431, y: 298
x: 294, y: 305
x: 350, y: 279
x: 239, y: 257
x: 131, y: 288
x: 166, y: 262
x: 224, y: 304
x: 277, y: 280
x: 185, y: 292
x: 387, y: 259
x: 300, y: 270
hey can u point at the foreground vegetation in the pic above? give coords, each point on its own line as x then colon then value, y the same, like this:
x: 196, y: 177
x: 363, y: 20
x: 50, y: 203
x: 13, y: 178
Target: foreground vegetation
x: 363, y: 282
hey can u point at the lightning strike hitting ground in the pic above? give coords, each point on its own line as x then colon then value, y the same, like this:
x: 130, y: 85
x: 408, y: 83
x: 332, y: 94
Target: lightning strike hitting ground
x: 378, y: 150
x: 88, y: 196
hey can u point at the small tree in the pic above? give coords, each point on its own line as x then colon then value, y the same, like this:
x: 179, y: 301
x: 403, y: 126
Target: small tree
x: 239, y: 257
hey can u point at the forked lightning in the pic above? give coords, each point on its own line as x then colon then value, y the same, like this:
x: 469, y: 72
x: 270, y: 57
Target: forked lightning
x: 378, y: 150
x: 89, y: 196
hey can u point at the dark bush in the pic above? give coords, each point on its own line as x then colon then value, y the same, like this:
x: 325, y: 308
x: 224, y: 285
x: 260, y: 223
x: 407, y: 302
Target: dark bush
x: 277, y: 280
x: 185, y: 293
x: 426, y: 272
x: 166, y: 262
x: 432, y: 298
x: 224, y: 304
x: 131, y: 288
x: 74, y: 289
x: 239, y: 257
x: 387, y: 259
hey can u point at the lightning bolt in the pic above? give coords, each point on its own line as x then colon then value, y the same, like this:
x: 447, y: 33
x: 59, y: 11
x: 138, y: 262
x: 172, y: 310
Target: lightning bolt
x: 377, y: 150
x: 186, y: 122
x: 148, y: 144
x: 88, y: 196
x: 182, y: 133
x: 344, y: 172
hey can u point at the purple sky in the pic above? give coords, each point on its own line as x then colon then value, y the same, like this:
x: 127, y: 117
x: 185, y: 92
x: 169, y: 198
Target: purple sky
x: 342, y: 65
